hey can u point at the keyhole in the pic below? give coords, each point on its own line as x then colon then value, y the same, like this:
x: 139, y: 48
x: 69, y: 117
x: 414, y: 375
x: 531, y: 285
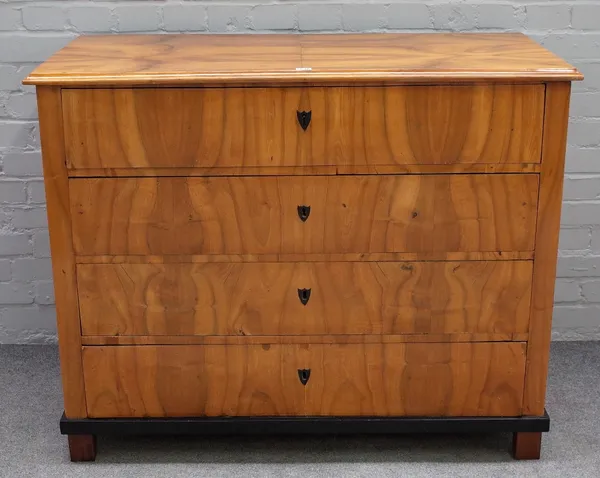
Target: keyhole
x: 303, y: 212
x: 304, y: 118
x: 304, y: 295
x: 304, y: 375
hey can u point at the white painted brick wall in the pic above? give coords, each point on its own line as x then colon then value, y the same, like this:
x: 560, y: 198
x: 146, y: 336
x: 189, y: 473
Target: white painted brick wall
x: 30, y: 31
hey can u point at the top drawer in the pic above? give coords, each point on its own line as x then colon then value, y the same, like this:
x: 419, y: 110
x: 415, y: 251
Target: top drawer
x: 262, y: 127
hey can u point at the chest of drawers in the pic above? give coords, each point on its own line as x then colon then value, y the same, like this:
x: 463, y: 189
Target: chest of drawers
x: 304, y: 233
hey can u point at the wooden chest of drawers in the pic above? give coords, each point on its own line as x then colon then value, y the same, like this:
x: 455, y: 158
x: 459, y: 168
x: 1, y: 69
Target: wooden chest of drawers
x: 304, y: 233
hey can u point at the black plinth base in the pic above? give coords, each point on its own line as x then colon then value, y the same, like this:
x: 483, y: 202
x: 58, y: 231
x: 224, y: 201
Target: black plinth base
x: 300, y: 425
x: 527, y: 431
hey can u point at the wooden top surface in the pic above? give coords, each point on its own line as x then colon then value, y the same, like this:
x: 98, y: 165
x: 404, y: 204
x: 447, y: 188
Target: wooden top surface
x: 293, y: 58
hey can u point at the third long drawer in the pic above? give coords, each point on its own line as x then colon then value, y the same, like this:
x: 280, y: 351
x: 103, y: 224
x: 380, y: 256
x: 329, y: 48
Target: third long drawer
x: 305, y: 298
x: 308, y: 214
x: 459, y: 379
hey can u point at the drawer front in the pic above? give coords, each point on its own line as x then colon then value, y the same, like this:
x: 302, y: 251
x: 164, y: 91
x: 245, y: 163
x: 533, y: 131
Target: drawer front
x: 469, y: 379
x: 264, y: 215
x: 237, y: 127
x: 304, y: 298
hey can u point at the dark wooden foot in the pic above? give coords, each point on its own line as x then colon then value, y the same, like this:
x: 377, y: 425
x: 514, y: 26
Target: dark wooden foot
x: 527, y: 445
x: 82, y: 447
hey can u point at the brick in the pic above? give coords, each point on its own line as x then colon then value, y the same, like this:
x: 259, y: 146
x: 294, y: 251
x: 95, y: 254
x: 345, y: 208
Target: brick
x: 574, y: 316
x: 319, y: 17
x: 12, y: 192
x: 581, y: 187
x: 567, y: 291
x: 591, y: 71
x: 595, y: 240
x: 15, y: 244
x: 29, y: 318
x: 92, y: 18
x: 31, y: 268
x: 585, y: 104
x: 35, y: 137
x: 585, y: 17
x: 4, y: 270
x: 30, y: 218
x: 10, y: 18
x: 222, y: 18
x: 582, y: 160
x: 273, y: 17
x: 361, y: 17
x: 584, y: 133
x: 138, y: 18
x: 22, y: 106
x: 578, y: 266
x: 26, y: 48
x: 23, y: 73
x: 9, y: 78
x: 548, y: 17
x: 498, y: 16
x: 25, y: 164
x: 591, y: 292
x: 574, y: 214
x: 44, y: 18
x: 575, y: 334
x: 574, y: 239
x: 454, y: 17
x: 408, y: 16
x: 44, y: 293
x: 15, y: 293
x: 36, y: 192
x: 15, y: 134
x: 41, y: 244
x: 572, y: 45
x: 179, y: 18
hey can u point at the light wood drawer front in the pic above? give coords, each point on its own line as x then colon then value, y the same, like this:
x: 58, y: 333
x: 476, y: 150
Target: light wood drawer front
x: 459, y: 379
x: 260, y: 215
x: 304, y: 298
x: 233, y: 127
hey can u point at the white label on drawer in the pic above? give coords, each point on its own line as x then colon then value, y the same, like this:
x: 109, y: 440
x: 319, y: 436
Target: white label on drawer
x: 304, y: 69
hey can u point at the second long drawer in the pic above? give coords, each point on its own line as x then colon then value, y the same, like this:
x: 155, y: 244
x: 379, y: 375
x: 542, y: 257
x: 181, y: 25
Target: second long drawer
x: 322, y: 214
x: 305, y: 298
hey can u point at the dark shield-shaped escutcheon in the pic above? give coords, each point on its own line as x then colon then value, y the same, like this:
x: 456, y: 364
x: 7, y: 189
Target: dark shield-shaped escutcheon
x: 304, y: 375
x: 303, y: 212
x: 304, y: 295
x: 304, y: 118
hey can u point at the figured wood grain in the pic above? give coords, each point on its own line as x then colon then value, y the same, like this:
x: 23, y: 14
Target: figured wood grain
x: 298, y: 339
x: 250, y: 299
x: 258, y: 215
x: 300, y: 59
x: 61, y: 247
x: 308, y: 170
x: 258, y: 127
x: 333, y: 257
x: 547, y: 231
x: 471, y: 379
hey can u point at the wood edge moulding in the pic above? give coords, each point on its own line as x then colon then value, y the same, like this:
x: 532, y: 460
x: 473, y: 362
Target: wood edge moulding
x: 315, y: 78
x: 307, y: 170
x: 91, y: 340
x: 326, y: 257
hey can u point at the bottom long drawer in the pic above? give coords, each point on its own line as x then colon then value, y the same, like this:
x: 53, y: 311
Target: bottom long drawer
x: 434, y: 379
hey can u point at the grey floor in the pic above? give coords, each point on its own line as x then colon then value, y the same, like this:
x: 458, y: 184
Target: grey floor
x: 31, y: 446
